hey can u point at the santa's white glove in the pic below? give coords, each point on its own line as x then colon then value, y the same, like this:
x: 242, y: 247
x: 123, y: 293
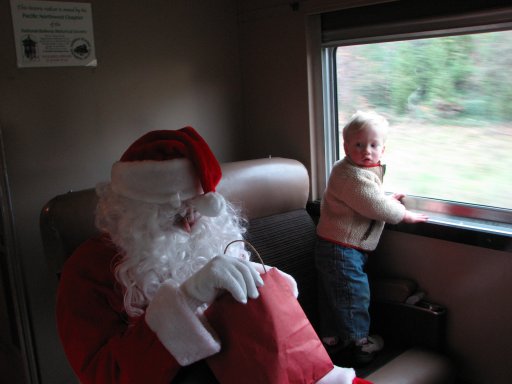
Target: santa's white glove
x: 289, y: 278
x: 228, y: 273
x: 338, y: 375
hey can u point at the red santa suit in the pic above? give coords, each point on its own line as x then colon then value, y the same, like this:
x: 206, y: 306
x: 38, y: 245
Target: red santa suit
x: 103, y: 344
x: 128, y: 313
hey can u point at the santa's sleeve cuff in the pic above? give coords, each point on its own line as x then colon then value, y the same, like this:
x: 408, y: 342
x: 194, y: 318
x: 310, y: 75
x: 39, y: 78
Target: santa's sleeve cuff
x: 183, y: 332
x: 339, y: 375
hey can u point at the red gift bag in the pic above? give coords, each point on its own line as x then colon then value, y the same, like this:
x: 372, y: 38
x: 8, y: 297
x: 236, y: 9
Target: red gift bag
x: 269, y: 340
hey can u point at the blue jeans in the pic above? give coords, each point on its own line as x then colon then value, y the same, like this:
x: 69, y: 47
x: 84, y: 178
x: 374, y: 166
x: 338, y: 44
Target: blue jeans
x: 344, y: 292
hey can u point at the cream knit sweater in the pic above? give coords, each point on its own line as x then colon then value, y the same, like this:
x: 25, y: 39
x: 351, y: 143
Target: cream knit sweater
x: 355, y: 208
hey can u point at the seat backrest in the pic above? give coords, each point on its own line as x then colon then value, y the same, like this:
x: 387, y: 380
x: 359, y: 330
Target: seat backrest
x: 65, y: 222
x: 262, y: 187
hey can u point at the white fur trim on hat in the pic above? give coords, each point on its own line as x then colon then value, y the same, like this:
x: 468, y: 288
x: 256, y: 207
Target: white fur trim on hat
x: 168, y: 181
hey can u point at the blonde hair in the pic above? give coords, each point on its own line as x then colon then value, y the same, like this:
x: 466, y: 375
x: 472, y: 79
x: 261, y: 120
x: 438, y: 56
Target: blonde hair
x: 363, y: 120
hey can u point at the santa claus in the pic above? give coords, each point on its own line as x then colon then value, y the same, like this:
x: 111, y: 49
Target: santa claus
x: 130, y: 304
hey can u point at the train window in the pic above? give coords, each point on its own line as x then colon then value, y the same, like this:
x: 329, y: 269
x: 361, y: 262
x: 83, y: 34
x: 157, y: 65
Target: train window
x: 447, y: 95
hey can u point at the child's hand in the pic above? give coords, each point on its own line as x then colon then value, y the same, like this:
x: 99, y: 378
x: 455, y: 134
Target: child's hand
x: 398, y: 196
x: 413, y: 217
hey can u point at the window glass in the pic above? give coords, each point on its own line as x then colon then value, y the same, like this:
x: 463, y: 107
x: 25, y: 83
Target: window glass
x: 449, y: 104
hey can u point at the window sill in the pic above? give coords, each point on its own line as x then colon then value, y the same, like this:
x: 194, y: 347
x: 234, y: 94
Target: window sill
x: 480, y: 232
x: 473, y: 225
x: 491, y: 227
x: 457, y: 233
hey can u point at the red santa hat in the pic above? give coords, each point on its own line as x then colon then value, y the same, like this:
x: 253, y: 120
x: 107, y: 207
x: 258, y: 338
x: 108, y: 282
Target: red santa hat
x: 170, y: 166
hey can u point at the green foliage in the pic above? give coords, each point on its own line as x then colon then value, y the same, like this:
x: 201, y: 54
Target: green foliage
x: 433, y: 79
x: 449, y: 101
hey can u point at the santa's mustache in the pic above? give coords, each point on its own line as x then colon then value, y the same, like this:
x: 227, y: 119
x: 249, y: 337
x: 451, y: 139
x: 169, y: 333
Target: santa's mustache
x: 186, y: 219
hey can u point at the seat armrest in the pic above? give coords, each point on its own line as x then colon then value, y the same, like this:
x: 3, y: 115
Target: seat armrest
x: 415, y: 366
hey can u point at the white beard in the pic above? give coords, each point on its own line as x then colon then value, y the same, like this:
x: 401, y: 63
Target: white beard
x: 155, y: 249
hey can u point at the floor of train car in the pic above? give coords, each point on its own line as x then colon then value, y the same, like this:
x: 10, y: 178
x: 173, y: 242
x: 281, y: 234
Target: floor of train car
x: 389, y: 352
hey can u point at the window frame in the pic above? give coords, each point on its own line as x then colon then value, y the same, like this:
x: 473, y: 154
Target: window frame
x: 483, y: 225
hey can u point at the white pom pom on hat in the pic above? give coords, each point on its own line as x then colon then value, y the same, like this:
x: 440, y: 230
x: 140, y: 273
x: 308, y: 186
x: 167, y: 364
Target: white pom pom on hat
x: 170, y: 166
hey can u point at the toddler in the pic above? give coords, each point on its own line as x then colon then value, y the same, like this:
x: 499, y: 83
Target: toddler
x: 354, y: 210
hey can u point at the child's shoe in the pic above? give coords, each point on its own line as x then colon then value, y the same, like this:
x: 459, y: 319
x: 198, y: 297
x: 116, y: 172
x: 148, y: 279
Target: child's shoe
x: 366, y: 349
x: 333, y: 345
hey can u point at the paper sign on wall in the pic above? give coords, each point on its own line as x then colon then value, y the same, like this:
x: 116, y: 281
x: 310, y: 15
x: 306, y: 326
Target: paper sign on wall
x: 53, y: 34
